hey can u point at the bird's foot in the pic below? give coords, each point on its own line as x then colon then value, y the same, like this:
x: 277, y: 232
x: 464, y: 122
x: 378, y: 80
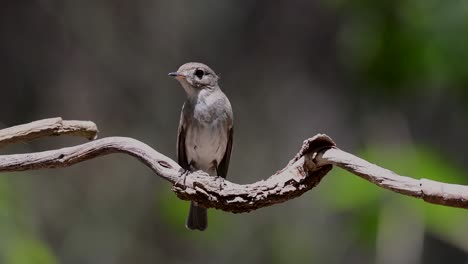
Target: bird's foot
x: 221, y: 182
x: 182, y: 177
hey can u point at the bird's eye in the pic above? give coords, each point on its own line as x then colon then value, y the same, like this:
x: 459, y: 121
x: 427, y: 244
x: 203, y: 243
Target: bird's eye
x: 199, y: 73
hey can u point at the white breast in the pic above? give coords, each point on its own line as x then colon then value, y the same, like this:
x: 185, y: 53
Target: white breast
x: 206, y: 143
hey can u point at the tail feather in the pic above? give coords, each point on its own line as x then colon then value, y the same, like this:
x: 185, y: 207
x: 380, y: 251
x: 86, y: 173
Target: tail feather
x: 197, y: 218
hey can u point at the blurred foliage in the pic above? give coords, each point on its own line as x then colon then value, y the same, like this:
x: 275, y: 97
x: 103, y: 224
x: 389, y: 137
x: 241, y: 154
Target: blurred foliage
x: 22, y: 251
x: 401, y: 45
x: 18, y: 245
x: 173, y: 210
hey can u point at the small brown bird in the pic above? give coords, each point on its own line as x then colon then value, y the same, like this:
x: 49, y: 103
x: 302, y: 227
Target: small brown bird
x: 205, y: 131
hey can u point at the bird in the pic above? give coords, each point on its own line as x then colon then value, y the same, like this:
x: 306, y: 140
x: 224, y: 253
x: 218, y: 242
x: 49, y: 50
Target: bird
x: 205, y: 133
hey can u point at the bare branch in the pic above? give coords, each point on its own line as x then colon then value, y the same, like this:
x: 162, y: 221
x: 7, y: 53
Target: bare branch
x: 47, y: 127
x: 377, y: 175
x: 430, y: 191
x: 65, y: 157
x: 302, y: 173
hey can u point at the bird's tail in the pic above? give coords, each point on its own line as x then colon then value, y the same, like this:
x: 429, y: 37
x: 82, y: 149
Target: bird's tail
x: 197, y: 218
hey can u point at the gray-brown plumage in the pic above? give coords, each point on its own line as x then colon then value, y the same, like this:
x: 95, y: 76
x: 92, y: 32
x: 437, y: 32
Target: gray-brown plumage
x: 205, y: 131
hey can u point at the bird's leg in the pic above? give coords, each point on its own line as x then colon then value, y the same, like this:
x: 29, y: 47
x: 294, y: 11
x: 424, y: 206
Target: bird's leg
x: 184, y: 174
x: 182, y: 177
x: 221, y: 179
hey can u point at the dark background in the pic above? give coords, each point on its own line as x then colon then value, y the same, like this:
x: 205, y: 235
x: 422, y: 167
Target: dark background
x: 387, y: 80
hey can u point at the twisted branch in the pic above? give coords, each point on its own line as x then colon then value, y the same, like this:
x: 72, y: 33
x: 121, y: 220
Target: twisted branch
x: 315, y: 159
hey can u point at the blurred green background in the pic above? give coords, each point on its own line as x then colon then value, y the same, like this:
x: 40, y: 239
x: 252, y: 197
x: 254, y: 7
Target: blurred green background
x: 387, y: 80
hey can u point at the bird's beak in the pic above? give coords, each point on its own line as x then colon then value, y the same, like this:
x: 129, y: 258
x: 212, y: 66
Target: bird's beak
x: 176, y: 75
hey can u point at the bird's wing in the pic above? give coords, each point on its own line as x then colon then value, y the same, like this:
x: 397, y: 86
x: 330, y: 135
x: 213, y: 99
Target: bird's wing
x: 224, y: 164
x: 181, y: 153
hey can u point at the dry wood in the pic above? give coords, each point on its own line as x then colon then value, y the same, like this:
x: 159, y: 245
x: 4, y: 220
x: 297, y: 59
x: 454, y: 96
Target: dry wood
x: 47, y: 127
x: 302, y: 173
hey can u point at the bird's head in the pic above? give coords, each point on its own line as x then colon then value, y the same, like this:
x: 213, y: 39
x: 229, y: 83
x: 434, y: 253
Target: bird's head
x: 194, y: 76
